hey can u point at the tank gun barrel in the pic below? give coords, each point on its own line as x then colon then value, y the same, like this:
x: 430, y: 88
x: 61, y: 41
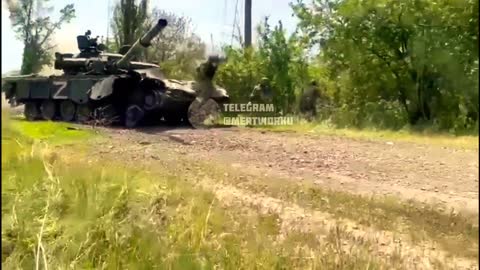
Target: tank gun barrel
x: 144, y: 41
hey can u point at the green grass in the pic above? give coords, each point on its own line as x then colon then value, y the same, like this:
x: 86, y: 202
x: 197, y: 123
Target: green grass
x: 63, y: 212
x: 411, y: 136
x: 51, y: 132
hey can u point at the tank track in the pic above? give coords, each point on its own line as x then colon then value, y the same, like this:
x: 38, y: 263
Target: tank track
x: 105, y: 115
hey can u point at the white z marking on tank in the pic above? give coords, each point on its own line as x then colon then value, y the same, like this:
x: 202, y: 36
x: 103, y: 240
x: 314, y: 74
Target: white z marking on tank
x: 59, y: 93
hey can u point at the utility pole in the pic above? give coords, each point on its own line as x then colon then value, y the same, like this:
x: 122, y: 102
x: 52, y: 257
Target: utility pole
x: 248, y: 23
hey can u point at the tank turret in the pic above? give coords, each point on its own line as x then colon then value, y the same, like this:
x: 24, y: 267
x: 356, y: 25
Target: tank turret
x: 93, y: 60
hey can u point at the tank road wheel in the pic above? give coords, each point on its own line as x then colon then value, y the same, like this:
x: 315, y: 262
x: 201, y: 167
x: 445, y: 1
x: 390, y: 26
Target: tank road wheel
x: 204, y: 114
x: 150, y: 101
x: 84, y: 113
x: 31, y: 111
x: 48, y: 109
x: 133, y: 116
x: 67, y: 110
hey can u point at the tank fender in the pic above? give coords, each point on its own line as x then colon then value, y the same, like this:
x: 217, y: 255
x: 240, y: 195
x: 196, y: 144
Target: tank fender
x: 176, y: 85
x: 103, y: 88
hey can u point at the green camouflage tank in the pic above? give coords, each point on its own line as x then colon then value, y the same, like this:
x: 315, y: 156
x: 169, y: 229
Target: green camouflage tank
x: 107, y: 87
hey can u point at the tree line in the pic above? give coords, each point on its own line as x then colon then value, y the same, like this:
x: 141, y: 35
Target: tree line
x: 381, y: 63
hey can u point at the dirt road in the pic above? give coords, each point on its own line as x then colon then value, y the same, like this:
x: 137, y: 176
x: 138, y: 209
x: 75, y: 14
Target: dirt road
x: 425, y: 173
x: 445, y: 177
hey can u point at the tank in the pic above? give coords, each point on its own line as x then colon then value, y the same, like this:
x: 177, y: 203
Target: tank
x: 108, y: 88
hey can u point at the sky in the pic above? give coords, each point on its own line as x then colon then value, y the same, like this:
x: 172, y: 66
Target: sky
x: 212, y: 19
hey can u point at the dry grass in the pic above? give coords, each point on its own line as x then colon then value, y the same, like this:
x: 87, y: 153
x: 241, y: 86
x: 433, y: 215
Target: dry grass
x: 411, y: 136
x: 457, y: 234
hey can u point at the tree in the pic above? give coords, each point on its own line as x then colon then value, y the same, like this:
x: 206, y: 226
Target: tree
x: 176, y: 49
x: 418, y: 57
x: 129, y: 22
x: 277, y: 54
x: 36, y: 30
x: 177, y: 32
x: 278, y: 58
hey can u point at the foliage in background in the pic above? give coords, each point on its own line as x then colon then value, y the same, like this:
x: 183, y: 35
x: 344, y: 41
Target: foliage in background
x: 395, y: 63
x: 177, y: 49
x: 34, y: 27
x: 280, y: 59
x: 386, y: 64
x: 129, y: 21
